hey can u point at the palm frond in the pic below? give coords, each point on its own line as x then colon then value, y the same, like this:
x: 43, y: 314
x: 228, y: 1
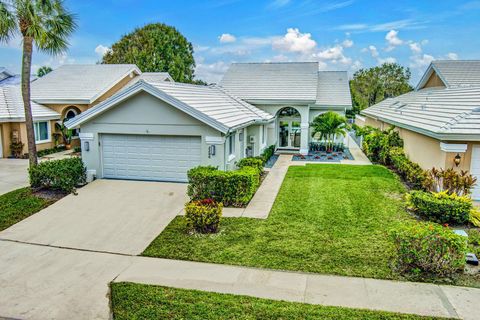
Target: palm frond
x: 8, y: 23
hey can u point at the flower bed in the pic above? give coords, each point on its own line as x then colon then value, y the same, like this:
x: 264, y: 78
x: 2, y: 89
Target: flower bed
x: 321, y: 156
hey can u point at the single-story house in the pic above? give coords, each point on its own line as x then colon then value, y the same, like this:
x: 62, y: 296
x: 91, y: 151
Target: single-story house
x: 440, y: 120
x: 157, y: 130
x: 58, y: 96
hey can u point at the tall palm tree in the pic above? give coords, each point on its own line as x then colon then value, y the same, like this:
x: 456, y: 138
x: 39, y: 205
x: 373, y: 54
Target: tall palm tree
x: 43, y: 23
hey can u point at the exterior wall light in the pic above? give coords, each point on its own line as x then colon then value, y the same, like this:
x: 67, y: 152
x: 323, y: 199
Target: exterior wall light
x: 457, y: 159
x: 211, y: 151
x: 86, y: 146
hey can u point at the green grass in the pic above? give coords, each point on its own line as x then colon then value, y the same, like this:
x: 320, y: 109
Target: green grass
x: 138, y: 301
x: 18, y: 205
x: 326, y: 219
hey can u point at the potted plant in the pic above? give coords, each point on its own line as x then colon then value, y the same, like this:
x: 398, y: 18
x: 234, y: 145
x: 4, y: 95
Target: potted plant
x: 66, y: 134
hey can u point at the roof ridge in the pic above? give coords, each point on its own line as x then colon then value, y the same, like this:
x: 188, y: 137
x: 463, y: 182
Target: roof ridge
x: 455, y: 120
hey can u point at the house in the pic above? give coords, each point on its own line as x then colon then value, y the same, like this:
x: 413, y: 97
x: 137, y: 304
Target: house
x: 440, y: 120
x: 157, y: 130
x: 58, y: 96
x: 8, y: 78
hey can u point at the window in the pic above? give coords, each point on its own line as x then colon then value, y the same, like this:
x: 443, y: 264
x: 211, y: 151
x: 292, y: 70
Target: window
x: 71, y: 113
x: 42, y: 131
x: 231, y: 144
x: 263, y: 134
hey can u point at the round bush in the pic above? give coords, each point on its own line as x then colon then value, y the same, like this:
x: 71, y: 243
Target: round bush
x: 203, y: 216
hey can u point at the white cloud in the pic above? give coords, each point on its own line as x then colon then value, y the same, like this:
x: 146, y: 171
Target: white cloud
x: 420, y: 60
x: 101, y: 50
x: 452, y: 56
x: 332, y: 54
x: 347, y: 43
x: 393, y: 40
x: 211, y: 73
x: 372, y: 50
x: 295, y: 41
x: 415, y: 47
x: 227, y: 38
x: 386, y: 60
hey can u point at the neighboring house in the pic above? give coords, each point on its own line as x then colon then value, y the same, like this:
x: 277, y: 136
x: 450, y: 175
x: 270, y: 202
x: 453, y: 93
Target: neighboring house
x: 66, y: 92
x: 438, y: 121
x: 156, y: 130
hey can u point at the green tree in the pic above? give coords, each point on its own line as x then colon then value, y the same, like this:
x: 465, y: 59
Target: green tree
x: 155, y: 47
x: 329, y: 125
x: 370, y: 86
x: 43, y: 23
x: 43, y: 71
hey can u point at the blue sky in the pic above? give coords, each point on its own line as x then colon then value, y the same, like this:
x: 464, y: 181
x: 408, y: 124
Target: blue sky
x: 340, y: 34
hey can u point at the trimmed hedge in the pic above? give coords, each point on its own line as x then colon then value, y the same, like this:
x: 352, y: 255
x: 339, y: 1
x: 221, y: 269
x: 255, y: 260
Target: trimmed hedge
x: 232, y: 188
x: 255, y: 162
x: 45, y: 152
x: 441, y: 207
x: 408, y: 170
x: 267, y: 153
x: 62, y: 175
x: 429, y: 248
x: 203, y: 216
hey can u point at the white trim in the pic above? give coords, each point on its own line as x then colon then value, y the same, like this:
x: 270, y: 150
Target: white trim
x: 453, y: 147
x: 214, y: 140
x: 359, y: 117
x: 49, y: 133
x: 134, y: 89
x: 304, y: 125
x: 85, y: 136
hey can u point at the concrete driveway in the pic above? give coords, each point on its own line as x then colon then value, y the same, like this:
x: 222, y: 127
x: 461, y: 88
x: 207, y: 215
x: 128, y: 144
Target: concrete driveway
x: 13, y: 174
x: 107, y: 216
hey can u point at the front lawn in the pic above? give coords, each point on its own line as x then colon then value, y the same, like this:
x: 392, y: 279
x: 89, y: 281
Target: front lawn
x: 138, y: 301
x: 326, y: 219
x: 18, y: 205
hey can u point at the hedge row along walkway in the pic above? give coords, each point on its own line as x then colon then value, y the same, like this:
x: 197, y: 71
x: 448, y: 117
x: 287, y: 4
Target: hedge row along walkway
x: 44, y: 282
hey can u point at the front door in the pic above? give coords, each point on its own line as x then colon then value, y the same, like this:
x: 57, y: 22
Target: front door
x: 289, y: 133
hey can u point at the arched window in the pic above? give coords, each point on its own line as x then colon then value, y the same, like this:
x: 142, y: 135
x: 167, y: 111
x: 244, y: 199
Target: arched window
x: 71, y: 113
x: 288, y: 112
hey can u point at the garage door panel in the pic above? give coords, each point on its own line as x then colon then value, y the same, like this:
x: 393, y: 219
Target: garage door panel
x: 166, y: 158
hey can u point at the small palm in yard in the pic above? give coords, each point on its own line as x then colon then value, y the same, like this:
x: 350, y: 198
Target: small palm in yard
x: 329, y: 125
x: 43, y: 23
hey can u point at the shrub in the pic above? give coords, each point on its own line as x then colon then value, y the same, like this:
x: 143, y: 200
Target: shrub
x: 429, y: 248
x: 459, y: 182
x: 16, y: 148
x: 45, y: 152
x: 268, y: 153
x: 232, y: 188
x: 62, y: 175
x: 377, y: 144
x: 408, y: 170
x: 204, y: 215
x: 475, y: 217
x: 255, y: 162
x: 441, y: 207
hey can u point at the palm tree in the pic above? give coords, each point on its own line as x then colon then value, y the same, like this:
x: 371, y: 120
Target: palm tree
x: 43, y: 70
x: 329, y: 125
x: 43, y: 23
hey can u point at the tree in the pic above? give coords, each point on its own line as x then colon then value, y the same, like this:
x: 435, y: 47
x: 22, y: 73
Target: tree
x: 43, y: 71
x: 43, y: 23
x: 155, y: 47
x: 370, y: 86
x: 329, y: 125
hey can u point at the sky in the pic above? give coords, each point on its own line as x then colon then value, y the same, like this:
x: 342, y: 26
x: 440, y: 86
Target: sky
x: 339, y: 34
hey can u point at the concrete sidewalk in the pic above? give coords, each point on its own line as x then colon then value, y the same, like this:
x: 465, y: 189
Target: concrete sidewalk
x: 43, y: 282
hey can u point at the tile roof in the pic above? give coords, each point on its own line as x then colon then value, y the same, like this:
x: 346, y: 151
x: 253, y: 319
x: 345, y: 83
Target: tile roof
x: 285, y: 81
x: 11, y: 106
x: 78, y: 83
x: 454, y: 73
x: 333, y: 89
x: 443, y: 113
x: 211, y: 104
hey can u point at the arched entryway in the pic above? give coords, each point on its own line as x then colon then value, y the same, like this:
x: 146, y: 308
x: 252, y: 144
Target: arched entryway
x: 289, y: 128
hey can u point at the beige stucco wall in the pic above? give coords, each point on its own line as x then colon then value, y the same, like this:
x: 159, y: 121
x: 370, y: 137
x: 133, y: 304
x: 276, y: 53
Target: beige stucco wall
x: 434, y: 81
x: 425, y: 150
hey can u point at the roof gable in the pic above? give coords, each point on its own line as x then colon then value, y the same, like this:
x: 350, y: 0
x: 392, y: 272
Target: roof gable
x: 275, y: 82
x: 209, y: 104
x: 452, y: 73
x: 333, y: 89
x: 81, y: 84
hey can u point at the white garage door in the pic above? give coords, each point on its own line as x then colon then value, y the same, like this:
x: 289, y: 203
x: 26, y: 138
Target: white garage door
x: 475, y: 171
x: 142, y: 157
